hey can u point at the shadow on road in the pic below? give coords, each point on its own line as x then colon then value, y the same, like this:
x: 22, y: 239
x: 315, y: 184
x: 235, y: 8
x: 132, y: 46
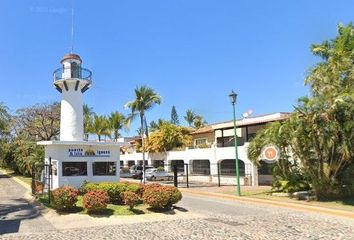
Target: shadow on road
x: 13, y: 213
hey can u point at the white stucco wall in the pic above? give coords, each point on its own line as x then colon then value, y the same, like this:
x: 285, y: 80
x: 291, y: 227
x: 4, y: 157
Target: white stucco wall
x: 60, y: 153
x: 71, y: 115
x: 213, y: 154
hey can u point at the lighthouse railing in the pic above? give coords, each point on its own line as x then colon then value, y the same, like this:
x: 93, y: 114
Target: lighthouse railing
x: 67, y: 73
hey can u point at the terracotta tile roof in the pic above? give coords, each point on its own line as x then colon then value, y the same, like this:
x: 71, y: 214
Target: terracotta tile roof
x: 206, y: 129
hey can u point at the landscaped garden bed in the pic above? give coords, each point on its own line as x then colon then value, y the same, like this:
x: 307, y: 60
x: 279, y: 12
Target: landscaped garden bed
x: 108, y: 198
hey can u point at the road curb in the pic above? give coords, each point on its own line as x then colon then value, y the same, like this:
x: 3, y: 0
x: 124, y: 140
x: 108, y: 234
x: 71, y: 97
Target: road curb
x: 296, y: 206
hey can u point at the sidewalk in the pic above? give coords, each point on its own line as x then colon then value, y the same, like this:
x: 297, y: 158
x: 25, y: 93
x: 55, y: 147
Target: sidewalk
x: 228, y: 192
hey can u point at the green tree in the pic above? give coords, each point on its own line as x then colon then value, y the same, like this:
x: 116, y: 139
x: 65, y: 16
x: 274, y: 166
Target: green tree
x: 100, y: 126
x: 320, y: 132
x: 145, y: 99
x: 199, y: 122
x: 154, y: 126
x: 88, y: 120
x: 190, y: 116
x: 39, y: 122
x: 168, y: 137
x: 174, y: 116
x: 4, y: 119
x: 117, y: 122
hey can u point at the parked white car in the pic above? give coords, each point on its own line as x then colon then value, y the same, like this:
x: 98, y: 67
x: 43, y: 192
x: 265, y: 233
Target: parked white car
x: 154, y: 174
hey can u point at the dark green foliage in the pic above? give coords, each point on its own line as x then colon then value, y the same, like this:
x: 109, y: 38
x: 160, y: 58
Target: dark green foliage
x: 174, y: 116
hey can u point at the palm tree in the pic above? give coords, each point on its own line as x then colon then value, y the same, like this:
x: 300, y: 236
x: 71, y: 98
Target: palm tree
x: 199, y: 122
x: 190, y: 116
x: 145, y: 99
x: 100, y: 126
x: 88, y: 120
x: 116, y: 121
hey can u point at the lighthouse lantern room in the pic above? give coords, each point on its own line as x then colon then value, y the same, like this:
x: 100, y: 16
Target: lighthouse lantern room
x: 74, y: 160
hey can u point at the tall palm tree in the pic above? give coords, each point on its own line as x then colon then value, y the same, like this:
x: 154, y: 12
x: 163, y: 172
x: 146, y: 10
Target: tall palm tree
x: 116, y: 121
x: 145, y: 99
x: 100, y: 126
x: 190, y: 116
x: 88, y: 120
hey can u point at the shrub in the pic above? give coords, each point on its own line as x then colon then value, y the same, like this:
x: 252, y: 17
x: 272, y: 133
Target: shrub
x: 160, y: 169
x: 64, y: 198
x: 125, y: 170
x: 158, y: 197
x: 130, y: 199
x: 113, y: 190
x: 95, y: 200
x: 174, y: 195
x: 88, y: 186
x: 133, y: 187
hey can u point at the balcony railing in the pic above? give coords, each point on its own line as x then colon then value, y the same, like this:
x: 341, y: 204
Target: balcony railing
x: 67, y: 73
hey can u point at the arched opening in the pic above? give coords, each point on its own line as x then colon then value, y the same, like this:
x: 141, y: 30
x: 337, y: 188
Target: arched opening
x: 131, y: 163
x: 228, y: 167
x: 265, y: 173
x: 158, y: 163
x: 265, y: 168
x: 200, y: 166
x: 179, y: 163
x: 140, y: 162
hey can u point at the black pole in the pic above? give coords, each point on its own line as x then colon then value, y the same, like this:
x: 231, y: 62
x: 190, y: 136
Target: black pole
x: 175, y: 182
x: 187, y: 170
x: 50, y: 178
x: 218, y: 164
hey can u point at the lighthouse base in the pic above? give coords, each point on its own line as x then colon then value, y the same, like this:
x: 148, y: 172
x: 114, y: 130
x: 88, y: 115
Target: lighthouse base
x: 74, y: 162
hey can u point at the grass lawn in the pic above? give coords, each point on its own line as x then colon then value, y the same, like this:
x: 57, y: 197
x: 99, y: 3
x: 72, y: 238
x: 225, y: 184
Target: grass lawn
x: 112, y: 209
x: 27, y: 180
x: 342, y: 204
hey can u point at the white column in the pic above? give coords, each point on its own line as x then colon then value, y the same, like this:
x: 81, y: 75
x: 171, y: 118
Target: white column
x: 71, y: 117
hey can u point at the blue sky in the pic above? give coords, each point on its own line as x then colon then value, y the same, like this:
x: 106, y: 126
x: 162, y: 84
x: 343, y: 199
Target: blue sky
x: 192, y: 52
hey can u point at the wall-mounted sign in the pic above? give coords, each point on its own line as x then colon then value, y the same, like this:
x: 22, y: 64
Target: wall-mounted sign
x: 102, y: 153
x: 76, y: 152
x: 79, y: 152
x: 270, y: 153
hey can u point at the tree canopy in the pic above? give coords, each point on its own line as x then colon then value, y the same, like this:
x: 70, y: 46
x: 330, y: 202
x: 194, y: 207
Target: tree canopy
x: 168, y: 137
x: 319, y: 135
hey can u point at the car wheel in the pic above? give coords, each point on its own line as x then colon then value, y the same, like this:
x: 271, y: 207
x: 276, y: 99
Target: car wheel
x: 153, y: 178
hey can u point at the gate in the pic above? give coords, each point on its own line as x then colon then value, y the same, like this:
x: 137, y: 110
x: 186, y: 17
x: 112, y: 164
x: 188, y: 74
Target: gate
x: 42, y: 179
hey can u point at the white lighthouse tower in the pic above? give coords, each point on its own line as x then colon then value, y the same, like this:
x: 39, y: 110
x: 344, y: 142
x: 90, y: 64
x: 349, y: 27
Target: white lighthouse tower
x: 72, y: 159
x: 72, y: 81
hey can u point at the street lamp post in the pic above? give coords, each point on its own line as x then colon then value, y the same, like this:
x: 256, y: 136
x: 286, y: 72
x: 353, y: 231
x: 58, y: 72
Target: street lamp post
x: 233, y: 97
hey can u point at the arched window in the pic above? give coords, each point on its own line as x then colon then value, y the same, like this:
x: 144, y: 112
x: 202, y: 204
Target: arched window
x: 228, y: 167
x: 201, y: 167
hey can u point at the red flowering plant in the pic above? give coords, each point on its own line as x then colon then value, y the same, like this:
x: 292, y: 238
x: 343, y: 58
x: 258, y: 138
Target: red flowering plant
x: 130, y: 199
x: 159, y: 197
x: 64, y: 198
x: 95, y: 200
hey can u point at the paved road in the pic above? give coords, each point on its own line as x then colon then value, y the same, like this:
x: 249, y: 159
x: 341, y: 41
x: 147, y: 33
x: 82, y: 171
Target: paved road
x: 17, y: 214
x: 217, y: 219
